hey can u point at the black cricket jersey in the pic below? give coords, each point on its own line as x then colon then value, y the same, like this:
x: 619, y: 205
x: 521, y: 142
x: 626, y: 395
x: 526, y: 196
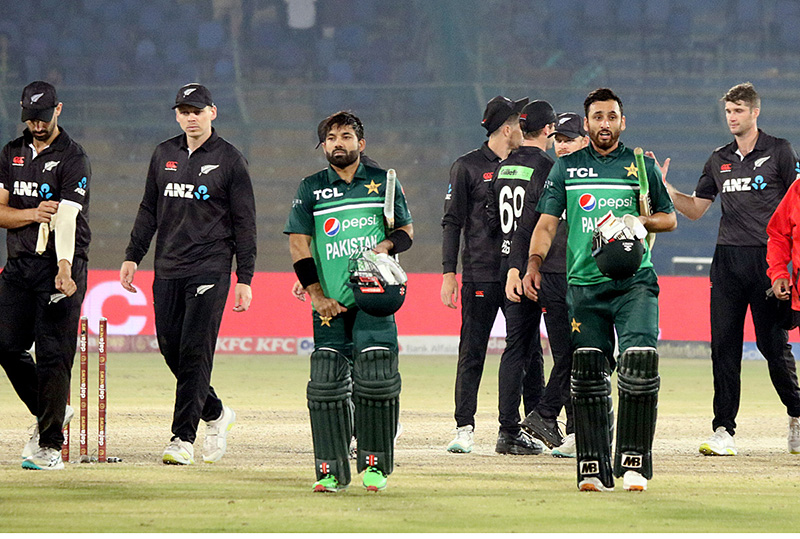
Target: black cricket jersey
x: 202, y: 206
x: 62, y: 173
x: 465, y: 209
x: 749, y: 189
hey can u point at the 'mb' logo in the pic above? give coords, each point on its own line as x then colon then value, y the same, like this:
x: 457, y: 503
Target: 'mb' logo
x: 587, y: 202
x: 631, y: 461
x: 332, y: 227
x: 589, y: 467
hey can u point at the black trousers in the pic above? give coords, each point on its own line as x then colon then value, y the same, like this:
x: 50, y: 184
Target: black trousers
x: 738, y: 280
x: 521, y: 372
x: 553, y: 299
x: 479, y: 305
x: 188, y: 314
x: 28, y: 316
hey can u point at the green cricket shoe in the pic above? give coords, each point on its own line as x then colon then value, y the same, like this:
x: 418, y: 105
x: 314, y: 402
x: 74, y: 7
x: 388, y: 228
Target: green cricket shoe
x: 329, y: 483
x: 374, y: 479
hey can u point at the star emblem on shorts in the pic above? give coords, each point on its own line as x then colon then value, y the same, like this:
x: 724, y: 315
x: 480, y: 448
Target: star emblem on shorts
x: 372, y: 187
x: 576, y: 326
x: 325, y: 321
x: 632, y: 170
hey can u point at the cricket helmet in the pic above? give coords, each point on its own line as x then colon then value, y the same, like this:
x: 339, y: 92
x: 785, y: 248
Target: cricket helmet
x: 618, y: 259
x: 378, y: 283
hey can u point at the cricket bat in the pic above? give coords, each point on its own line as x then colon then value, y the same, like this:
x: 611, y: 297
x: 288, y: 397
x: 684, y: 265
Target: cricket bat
x: 644, y: 191
x: 388, y: 201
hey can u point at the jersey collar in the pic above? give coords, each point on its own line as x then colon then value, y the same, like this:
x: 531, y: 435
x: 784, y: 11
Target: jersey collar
x: 333, y: 176
x: 488, y: 153
x: 205, y: 146
x: 613, y: 155
x: 59, y: 143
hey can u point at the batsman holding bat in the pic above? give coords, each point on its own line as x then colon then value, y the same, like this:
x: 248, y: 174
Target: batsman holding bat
x: 340, y: 215
x: 611, y: 286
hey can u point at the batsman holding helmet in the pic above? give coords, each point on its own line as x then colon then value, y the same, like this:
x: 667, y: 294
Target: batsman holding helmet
x: 340, y: 248
x: 611, y: 285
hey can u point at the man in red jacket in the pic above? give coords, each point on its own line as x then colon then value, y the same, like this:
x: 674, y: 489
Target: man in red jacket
x: 783, y: 230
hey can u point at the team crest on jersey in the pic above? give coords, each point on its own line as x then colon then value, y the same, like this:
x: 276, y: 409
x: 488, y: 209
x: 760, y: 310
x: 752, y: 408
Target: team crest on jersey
x: 50, y: 165
x: 205, y: 169
x: 331, y: 227
x: 587, y: 202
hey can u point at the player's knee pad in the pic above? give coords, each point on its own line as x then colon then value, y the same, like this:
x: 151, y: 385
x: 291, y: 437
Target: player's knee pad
x: 638, y: 383
x: 590, y: 388
x: 376, y: 392
x: 329, y: 392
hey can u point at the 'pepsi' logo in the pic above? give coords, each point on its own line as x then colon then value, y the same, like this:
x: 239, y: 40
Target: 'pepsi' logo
x: 587, y: 202
x: 331, y: 227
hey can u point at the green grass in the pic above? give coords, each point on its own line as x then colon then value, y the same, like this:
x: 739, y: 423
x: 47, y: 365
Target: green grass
x: 263, y: 483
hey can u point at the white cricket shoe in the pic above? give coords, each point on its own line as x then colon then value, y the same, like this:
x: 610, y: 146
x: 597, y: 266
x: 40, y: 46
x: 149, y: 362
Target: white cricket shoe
x: 720, y: 444
x: 46, y: 458
x: 593, y: 484
x: 33, y: 444
x: 634, y: 481
x: 216, y: 441
x: 178, y: 452
x: 567, y: 448
x: 794, y: 435
x: 463, y: 441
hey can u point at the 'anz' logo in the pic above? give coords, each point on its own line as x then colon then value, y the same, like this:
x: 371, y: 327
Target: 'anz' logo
x: 733, y: 185
x: 179, y: 190
x: 26, y: 189
x: 81, y: 189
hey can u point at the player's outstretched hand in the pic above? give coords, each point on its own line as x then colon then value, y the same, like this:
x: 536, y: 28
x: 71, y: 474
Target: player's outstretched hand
x: 126, y: 274
x: 298, y: 291
x: 663, y: 168
x: 449, y: 293
x: 243, y: 296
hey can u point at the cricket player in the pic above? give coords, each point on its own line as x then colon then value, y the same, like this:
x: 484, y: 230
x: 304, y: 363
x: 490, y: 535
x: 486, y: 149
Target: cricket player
x: 611, y: 286
x: 337, y: 214
x: 568, y: 136
x: 520, y: 177
x: 750, y: 175
x: 44, y: 204
x: 199, y: 198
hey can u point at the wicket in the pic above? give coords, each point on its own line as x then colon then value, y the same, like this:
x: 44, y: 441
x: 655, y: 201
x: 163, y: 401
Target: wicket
x: 102, y: 394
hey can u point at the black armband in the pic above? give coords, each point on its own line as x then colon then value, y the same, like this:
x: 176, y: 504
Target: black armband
x: 401, y: 241
x: 306, y: 271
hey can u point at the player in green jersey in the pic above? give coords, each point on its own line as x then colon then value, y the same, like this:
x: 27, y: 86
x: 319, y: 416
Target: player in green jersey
x: 589, y: 184
x: 338, y: 212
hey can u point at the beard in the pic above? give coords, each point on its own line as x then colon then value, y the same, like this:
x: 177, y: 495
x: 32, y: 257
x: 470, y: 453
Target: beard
x: 604, y: 144
x: 341, y: 158
x: 44, y: 134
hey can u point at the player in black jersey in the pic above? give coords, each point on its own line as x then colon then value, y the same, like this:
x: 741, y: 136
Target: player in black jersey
x: 569, y: 136
x: 518, y: 178
x: 751, y: 175
x: 199, y: 198
x: 44, y: 186
x: 481, y: 291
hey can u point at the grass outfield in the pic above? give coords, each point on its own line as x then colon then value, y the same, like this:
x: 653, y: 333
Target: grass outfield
x: 263, y: 483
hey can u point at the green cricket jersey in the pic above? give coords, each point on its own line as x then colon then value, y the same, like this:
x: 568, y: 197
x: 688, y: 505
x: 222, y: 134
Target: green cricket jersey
x: 588, y: 185
x: 343, y: 219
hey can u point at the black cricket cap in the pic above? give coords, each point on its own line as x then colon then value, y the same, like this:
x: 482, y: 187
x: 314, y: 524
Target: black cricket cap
x: 194, y: 95
x: 570, y: 125
x: 321, y: 132
x: 498, y: 110
x: 536, y: 115
x: 39, y: 100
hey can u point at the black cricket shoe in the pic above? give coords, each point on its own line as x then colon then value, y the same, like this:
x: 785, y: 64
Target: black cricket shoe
x: 517, y: 444
x: 543, y: 429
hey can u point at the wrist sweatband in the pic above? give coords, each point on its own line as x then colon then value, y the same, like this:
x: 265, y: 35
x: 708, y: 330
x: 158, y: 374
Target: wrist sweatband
x: 401, y: 240
x: 537, y: 255
x: 306, y: 271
